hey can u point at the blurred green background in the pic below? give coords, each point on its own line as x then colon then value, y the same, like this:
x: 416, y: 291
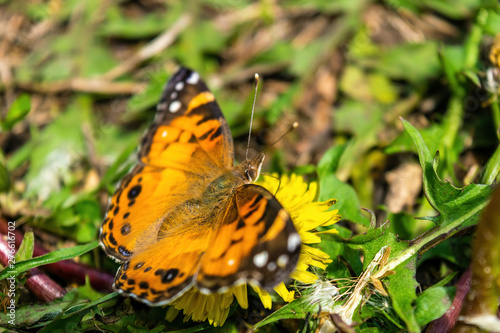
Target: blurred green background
x: 79, y: 81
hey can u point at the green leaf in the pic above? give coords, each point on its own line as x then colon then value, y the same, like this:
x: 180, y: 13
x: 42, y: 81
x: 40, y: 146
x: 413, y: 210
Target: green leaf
x: 18, y: 110
x: 119, y: 168
x: 331, y: 187
x: 492, y: 23
x: 382, y: 89
x: 433, y: 303
x: 118, y: 25
x: 26, y: 248
x: 65, y: 313
x: 403, y: 143
x: 402, y: 289
x: 49, y: 258
x: 354, y: 83
x: 4, y: 179
x: 297, y: 309
x: 151, y: 95
x: 455, y: 205
x: 401, y: 286
x: 453, y: 9
x: 411, y: 61
x: 56, y: 149
x: 26, y: 316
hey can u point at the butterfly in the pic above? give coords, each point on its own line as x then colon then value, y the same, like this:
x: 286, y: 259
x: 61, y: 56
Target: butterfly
x: 186, y: 215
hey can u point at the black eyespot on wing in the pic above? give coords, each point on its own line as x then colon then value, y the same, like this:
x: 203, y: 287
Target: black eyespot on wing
x: 134, y: 192
x: 125, y: 229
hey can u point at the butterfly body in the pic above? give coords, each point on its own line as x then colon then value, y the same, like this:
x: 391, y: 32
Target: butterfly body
x: 186, y: 216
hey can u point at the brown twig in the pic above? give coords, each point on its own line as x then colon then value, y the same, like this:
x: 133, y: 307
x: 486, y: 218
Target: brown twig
x: 94, y: 85
x: 104, y: 84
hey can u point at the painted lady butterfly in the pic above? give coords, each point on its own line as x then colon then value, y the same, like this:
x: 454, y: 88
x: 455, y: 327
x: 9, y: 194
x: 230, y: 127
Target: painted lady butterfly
x: 186, y: 216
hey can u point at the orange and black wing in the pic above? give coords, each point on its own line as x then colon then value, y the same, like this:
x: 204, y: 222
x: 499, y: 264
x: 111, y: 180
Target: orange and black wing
x: 256, y: 242
x: 188, y: 143
x: 189, y: 126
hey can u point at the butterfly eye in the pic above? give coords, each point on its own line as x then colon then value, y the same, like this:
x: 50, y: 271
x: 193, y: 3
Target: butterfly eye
x: 250, y: 174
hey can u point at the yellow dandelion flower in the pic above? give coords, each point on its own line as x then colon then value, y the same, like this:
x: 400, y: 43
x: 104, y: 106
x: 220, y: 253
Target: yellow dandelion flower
x: 297, y: 197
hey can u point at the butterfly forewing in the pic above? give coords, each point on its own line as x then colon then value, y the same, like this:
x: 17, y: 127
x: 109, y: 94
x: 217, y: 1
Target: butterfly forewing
x: 188, y: 126
x: 257, y: 242
x: 135, y: 210
x: 188, y: 143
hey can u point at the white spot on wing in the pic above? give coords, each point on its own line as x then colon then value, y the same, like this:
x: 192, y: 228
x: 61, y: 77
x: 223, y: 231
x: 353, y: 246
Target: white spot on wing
x: 193, y: 78
x: 164, y: 134
x: 173, y: 95
x: 179, y: 86
x: 293, y: 242
x: 282, y: 260
x: 260, y: 260
x: 272, y: 266
x: 174, y: 106
x: 230, y: 262
x: 204, y: 291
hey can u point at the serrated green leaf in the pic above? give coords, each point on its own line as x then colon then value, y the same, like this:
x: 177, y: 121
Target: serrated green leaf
x: 454, y: 204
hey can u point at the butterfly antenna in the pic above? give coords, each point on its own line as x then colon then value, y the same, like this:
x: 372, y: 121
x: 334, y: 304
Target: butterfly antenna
x: 253, y: 110
x: 290, y: 129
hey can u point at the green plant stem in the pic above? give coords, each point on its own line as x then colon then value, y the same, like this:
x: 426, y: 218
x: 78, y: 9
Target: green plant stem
x: 495, y: 108
x: 449, y: 229
x: 452, y: 124
x: 48, y: 258
x: 492, y: 168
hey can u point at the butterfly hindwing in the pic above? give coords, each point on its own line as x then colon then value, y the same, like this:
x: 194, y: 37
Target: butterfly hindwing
x: 161, y: 272
x: 256, y: 242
